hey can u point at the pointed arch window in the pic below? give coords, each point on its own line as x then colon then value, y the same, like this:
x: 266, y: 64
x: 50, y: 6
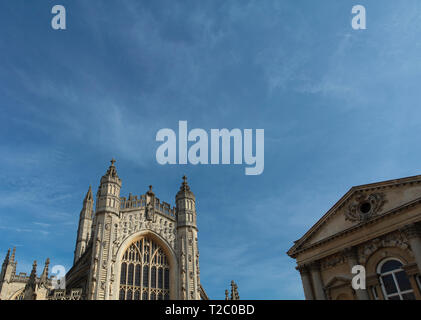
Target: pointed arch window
x: 153, y: 277
x: 122, y: 294
x: 123, y: 273
x: 130, y: 274
x: 146, y: 278
x: 137, y: 276
x: 160, y: 278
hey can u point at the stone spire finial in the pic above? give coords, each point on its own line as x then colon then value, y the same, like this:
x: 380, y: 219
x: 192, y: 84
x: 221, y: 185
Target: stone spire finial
x: 234, y: 291
x: 13, y: 254
x: 185, y: 190
x: 150, y: 192
x: 44, y: 275
x: 89, y: 194
x: 33, y: 275
x: 31, y: 284
x: 34, y: 267
x: 112, y: 169
x: 184, y: 185
x: 6, y: 259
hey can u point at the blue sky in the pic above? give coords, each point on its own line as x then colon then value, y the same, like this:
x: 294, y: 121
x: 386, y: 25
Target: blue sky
x: 339, y: 108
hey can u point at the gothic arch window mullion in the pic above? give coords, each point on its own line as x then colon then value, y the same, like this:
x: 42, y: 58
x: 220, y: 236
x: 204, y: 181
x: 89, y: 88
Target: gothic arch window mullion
x: 141, y: 266
x: 144, y: 272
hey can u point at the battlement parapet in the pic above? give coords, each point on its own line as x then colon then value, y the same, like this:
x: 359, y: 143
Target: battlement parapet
x: 62, y: 294
x: 134, y: 202
x: 21, y: 277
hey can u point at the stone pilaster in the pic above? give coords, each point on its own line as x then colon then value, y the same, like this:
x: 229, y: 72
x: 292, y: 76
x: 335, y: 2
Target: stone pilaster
x: 316, y: 277
x: 351, y: 255
x: 413, y: 234
x: 306, y: 280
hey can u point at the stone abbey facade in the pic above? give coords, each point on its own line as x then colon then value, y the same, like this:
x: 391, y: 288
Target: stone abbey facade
x: 377, y: 226
x: 135, y: 248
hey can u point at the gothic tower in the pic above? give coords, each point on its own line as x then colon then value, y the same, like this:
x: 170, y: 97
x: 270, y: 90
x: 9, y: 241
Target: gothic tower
x: 8, y: 269
x: 106, y: 218
x: 30, y: 287
x: 187, y: 248
x: 85, y: 225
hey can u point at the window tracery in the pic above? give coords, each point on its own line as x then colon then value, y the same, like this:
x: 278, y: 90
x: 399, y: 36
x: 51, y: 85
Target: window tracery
x: 145, y: 272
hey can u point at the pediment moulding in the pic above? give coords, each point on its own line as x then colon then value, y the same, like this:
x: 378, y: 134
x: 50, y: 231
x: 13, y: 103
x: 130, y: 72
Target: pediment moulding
x: 301, y: 247
x: 361, y: 205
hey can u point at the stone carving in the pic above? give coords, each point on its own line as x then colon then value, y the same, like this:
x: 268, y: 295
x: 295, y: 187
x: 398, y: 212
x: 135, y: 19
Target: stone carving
x: 364, y: 207
x: 332, y: 261
x: 390, y: 240
x: 149, y: 213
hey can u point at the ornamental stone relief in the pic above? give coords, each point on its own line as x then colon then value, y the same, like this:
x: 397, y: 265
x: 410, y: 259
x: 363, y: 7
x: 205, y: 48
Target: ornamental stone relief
x: 134, y: 222
x: 365, y: 206
x: 332, y: 261
x: 391, y: 240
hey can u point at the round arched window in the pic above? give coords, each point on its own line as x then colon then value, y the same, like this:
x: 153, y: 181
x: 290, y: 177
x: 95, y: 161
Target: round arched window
x: 145, y: 272
x: 394, y: 280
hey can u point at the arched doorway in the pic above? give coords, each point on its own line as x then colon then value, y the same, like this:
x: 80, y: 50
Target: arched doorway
x: 144, y: 271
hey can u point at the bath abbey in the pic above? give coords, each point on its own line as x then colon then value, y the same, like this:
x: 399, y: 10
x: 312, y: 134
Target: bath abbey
x: 134, y: 248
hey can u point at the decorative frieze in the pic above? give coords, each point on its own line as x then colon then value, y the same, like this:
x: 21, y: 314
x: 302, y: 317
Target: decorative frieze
x: 390, y: 240
x: 332, y: 261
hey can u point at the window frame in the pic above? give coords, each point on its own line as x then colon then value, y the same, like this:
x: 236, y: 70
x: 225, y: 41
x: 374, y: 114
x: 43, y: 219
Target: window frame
x: 152, y: 256
x: 393, y: 272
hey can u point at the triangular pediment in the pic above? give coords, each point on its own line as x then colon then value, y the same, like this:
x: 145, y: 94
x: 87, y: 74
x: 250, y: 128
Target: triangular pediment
x: 339, y: 280
x: 361, y: 205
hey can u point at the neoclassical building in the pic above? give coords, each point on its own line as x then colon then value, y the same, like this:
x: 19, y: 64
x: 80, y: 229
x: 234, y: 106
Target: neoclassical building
x: 135, y: 248
x: 377, y: 226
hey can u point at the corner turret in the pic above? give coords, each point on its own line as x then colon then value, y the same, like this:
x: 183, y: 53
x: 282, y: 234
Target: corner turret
x: 108, y: 195
x: 85, y: 226
x: 188, y: 252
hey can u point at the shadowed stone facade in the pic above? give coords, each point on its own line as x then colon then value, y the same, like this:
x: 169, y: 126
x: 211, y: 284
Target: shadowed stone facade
x: 377, y: 226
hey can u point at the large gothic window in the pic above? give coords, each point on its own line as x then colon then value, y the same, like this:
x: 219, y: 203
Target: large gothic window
x: 145, y: 272
x: 395, y: 282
